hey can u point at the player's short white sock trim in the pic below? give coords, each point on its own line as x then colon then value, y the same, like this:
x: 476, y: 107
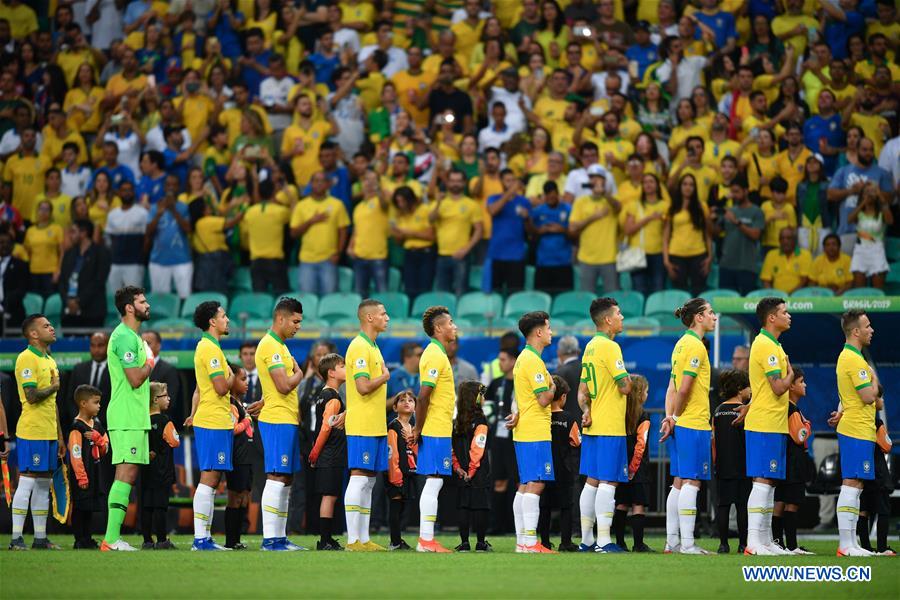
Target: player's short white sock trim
x: 588, y: 516
x: 285, y: 503
x: 604, y: 507
x: 365, y: 509
x: 40, y: 506
x: 519, y: 518
x: 204, y: 503
x: 352, y: 505
x: 20, y: 502
x: 428, y: 507
x: 271, y: 506
x: 757, y: 515
x: 673, y: 528
x: 847, y: 516
x: 687, y: 514
x: 531, y: 513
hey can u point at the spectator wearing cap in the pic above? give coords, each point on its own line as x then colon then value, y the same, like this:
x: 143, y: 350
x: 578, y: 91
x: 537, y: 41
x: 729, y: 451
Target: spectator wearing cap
x: 594, y: 223
x: 642, y: 53
x: 578, y: 181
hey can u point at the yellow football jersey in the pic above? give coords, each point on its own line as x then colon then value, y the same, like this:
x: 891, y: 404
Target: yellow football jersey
x: 366, y: 414
x: 691, y: 358
x: 530, y: 379
x: 854, y: 374
x: 436, y: 372
x: 213, y: 410
x: 602, y: 367
x: 768, y: 412
x: 34, y: 369
x: 272, y: 353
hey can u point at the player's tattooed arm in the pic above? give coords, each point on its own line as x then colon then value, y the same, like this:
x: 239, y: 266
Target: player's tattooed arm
x: 584, y: 401
x: 33, y: 395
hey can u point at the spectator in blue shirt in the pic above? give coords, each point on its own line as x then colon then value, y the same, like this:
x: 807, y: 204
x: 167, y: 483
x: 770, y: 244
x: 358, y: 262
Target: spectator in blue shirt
x: 721, y: 23
x: 643, y: 51
x: 326, y: 60
x: 550, y: 223
x: 177, y: 160
x: 137, y: 15
x: 255, y: 63
x: 823, y: 133
x: 406, y: 377
x: 225, y: 24
x: 847, y: 185
x: 338, y: 176
x: 506, y: 249
x: 151, y: 187
x: 841, y: 23
x: 116, y: 172
x: 170, y: 253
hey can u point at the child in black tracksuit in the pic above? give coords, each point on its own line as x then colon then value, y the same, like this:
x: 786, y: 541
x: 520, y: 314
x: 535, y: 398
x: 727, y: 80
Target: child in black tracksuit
x: 636, y: 493
x: 158, y: 476
x: 401, y: 483
x: 876, y: 496
x: 729, y: 454
x: 240, y: 478
x: 88, y: 443
x: 791, y: 491
x: 565, y: 444
x: 471, y: 465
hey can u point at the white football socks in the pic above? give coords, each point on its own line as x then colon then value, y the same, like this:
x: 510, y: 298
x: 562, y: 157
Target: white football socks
x: 40, y: 506
x: 519, y: 518
x: 604, y: 507
x: 271, y: 508
x: 673, y: 527
x: 204, y: 503
x: 531, y: 513
x: 20, y: 505
x: 353, y: 504
x: 687, y: 514
x: 847, y: 516
x: 588, y: 514
x: 428, y: 507
x: 757, y: 515
x: 284, y: 504
x: 767, y: 539
x: 365, y: 509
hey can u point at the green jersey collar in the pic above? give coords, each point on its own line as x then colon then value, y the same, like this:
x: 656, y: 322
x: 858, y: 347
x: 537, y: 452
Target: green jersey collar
x: 849, y: 347
x: 36, y: 351
x: 603, y: 335
x: 275, y: 337
x: 530, y: 347
x: 770, y: 336
x: 207, y: 336
x: 363, y: 335
x: 693, y: 333
x: 439, y: 345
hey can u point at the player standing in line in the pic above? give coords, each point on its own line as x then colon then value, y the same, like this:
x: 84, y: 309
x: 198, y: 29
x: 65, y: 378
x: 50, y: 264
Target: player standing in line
x: 366, y: 424
x: 279, y: 421
x: 766, y: 424
x: 39, y: 440
x: 602, y: 395
x: 434, y: 420
x: 210, y: 417
x: 858, y: 390
x: 687, y: 409
x: 534, y: 391
x: 129, y: 362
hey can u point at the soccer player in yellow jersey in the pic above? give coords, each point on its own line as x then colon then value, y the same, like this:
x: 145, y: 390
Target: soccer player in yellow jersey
x: 211, y: 417
x: 39, y: 438
x: 858, y: 389
x: 605, y: 385
x: 533, y: 389
x: 366, y: 424
x: 688, y: 422
x: 279, y: 421
x: 766, y: 424
x: 434, y: 420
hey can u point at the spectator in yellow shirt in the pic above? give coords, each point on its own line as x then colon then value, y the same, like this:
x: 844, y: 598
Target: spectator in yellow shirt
x: 786, y: 268
x: 410, y: 226
x: 594, y: 222
x: 265, y: 222
x: 44, y: 243
x: 212, y: 262
x: 458, y: 223
x: 24, y: 172
x: 779, y: 214
x: 321, y: 222
x: 687, y: 238
x: 301, y: 141
x: 368, y: 245
x: 832, y: 268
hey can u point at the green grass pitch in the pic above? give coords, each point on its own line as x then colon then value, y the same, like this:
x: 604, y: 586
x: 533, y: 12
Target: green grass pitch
x: 503, y: 574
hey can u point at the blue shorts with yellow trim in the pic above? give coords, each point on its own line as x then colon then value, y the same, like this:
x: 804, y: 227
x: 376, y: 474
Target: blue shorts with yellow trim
x: 766, y: 454
x: 368, y: 453
x: 694, y: 453
x: 535, y: 461
x: 281, y: 447
x: 605, y: 457
x: 213, y: 448
x: 435, y: 456
x: 857, y: 457
x: 36, y: 456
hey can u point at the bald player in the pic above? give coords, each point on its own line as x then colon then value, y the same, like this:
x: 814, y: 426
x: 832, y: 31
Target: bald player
x: 366, y: 422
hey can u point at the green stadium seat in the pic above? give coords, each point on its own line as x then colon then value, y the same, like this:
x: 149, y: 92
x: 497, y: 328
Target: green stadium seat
x: 713, y: 279
x: 665, y: 301
x: 571, y: 307
x: 625, y: 282
x: 395, y: 303
x: 475, y: 272
x: 892, y: 248
x: 813, y: 292
x: 892, y: 282
x: 345, y: 324
x: 719, y: 293
x: 395, y: 279
x: 240, y: 280
x: 631, y: 302
x: 254, y: 304
x: 478, y: 305
x: 522, y: 302
x: 309, y: 301
x: 53, y: 306
x: 191, y: 302
x: 34, y: 303
x: 584, y: 325
x: 345, y: 279
x: 638, y: 326
x: 423, y: 301
x: 174, y: 324
x: 261, y: 325
x: 763, y: 292
x: 163, y: 306
x: 864, y: 291
x: 529, y: 277
x: 333, y: 307
x: 496, y: 326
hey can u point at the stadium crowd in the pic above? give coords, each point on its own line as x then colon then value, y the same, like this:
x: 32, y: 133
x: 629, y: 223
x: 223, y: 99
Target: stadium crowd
x: 754, y: 141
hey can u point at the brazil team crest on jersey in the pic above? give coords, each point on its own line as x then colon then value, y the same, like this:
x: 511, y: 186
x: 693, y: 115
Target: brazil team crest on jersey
x: 548, y: 468
x: 773, y: 466
x: 35, y: 459
x: 706, y: 468
x: 284, y: 460
x: 867, y: 466
x: 221, y: 458
x: 446, y: 463
x: 366, y: 458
